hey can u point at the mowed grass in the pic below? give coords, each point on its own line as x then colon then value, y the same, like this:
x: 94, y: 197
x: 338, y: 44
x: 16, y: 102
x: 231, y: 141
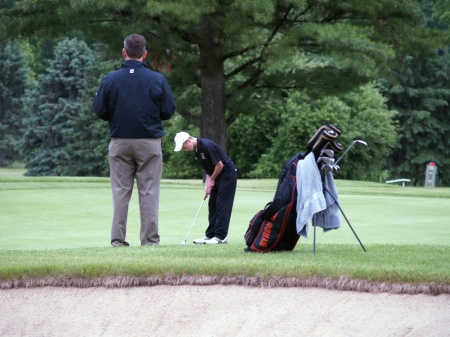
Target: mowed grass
x: 65, y: 212
x: 60, y: 227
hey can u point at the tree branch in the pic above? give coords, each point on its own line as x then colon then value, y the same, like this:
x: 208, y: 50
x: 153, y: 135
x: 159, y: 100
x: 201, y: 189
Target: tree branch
x: 238, y: 52
x: 242, y: 67
x: 191, y: 118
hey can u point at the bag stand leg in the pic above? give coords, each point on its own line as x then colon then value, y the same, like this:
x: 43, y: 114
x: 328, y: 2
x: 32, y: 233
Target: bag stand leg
x: 314, y: 239
x: 345, y: 217
x: 362, y: 246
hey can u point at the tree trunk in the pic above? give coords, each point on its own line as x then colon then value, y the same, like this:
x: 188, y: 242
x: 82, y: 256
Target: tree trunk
x: 2, y: 157
x: 212, y: 122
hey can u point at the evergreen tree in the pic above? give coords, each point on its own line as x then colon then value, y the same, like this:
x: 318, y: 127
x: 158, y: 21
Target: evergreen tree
x: 13, y: 81
x: 87, y: 136
x: 50, y: 105
x: 223, y: 53
x: 422, y: 97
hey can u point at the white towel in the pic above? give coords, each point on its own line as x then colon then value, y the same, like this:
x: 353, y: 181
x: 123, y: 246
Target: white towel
x: 310, y: 198
x: 329, y: 218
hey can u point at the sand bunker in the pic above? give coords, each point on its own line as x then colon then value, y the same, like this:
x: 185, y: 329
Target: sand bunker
x: 219, y: 311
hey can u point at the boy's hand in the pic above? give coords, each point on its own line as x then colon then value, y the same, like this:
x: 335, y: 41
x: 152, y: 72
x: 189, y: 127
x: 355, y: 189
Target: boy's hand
x: 209, y: 184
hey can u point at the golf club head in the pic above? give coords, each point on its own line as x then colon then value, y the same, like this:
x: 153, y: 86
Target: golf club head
x: 327, y: 168
x: 326, y: 160
x: 327, y: 153
x: 336, y: 168
x: 192, y: 225
x: 359, y: 141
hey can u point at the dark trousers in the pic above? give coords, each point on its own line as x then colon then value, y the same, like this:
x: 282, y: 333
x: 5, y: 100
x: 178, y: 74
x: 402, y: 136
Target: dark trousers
x: 221, y: 204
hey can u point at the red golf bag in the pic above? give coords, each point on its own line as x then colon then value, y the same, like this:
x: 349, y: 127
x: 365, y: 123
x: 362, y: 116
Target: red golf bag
x: 274, y: 227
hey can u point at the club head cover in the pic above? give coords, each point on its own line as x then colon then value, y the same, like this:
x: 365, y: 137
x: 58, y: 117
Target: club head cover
x: 332, y: 127
x: 317, y: 135
x: 329, y: 127
x: 336, y: 147
x: 325, y: 137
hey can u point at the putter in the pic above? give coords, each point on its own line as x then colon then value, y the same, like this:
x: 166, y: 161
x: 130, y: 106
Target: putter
x: 193, y: 222
x: 354, y: 142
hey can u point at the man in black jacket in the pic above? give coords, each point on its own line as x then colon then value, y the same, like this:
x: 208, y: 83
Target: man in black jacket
x: 221, y: 180
x: 135, y: 100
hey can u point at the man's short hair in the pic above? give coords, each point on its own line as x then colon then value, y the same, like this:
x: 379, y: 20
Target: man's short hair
x: 135, y: 45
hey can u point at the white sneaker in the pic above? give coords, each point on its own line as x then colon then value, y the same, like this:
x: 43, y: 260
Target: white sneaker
x: 201, y: 241
x: 215, y: 241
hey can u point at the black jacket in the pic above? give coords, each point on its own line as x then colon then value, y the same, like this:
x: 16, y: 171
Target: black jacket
x: 134, y: 100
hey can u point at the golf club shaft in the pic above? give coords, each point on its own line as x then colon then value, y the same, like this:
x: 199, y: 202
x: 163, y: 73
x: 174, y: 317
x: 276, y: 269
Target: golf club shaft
x: 351, y: 145
x: 196, y: 216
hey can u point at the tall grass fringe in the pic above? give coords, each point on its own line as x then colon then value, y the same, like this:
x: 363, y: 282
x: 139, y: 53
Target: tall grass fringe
x: 341, y: 283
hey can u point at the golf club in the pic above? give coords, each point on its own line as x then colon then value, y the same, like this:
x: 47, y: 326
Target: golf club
x: 333, y: 168
x: 351, y: 145
x: 327, y: 153
x: 193, y: 222
x: 326, y: 168
x: 325, y: 160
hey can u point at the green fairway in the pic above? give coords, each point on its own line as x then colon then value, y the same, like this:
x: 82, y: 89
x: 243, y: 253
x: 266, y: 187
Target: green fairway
x: 65, y: 212
x: 55, y: 230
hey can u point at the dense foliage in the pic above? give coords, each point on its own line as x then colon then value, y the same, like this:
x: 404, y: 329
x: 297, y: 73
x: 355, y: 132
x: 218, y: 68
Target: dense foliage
x: 13, y: 80
x: 360, y: 114
x: 422, y: 96
x: 223, y: 55
x: 258, y: 77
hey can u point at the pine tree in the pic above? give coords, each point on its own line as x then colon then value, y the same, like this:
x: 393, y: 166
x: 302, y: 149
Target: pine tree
x: 422, y: 97
x: 13, y: 82
x: 50, y: 105
x: 87, y: 136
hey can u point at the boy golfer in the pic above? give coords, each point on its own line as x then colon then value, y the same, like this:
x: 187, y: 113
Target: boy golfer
x: 221, y: 179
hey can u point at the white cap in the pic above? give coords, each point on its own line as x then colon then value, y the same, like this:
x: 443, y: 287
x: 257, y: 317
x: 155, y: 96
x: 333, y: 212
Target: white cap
x: 180, y: 138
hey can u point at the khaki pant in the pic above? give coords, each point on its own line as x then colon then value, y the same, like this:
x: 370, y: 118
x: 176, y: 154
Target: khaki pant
x: 139, y: 159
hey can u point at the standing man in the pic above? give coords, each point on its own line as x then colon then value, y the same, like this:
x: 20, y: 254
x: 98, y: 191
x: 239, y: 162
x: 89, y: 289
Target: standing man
x: 135, y: 100
x: 221, y: 179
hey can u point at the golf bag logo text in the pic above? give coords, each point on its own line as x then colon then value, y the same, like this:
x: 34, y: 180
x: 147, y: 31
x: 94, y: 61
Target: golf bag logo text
x: 266, y: 234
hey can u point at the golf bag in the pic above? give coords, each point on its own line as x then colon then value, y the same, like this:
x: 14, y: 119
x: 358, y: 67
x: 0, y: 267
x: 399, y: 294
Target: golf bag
x: 274, y: 227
